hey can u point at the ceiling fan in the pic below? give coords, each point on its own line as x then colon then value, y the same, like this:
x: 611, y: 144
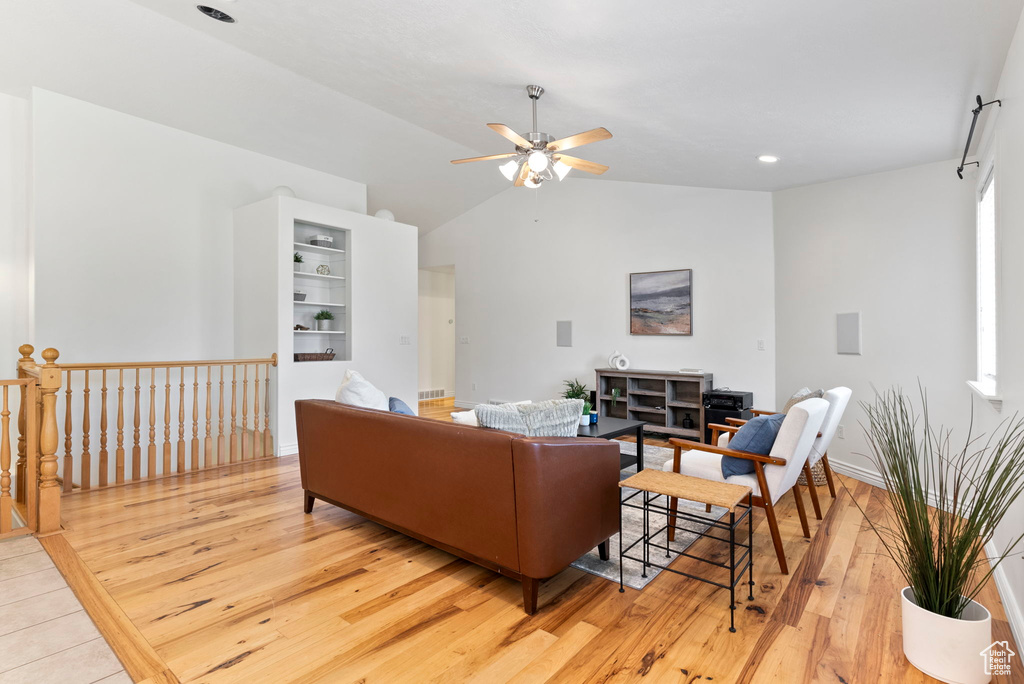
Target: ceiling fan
x: 538, y: 156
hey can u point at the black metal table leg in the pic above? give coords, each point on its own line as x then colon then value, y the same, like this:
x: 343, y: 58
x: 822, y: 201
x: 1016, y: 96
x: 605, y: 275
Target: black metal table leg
x: 622, y: 590
x: 640, y: 448
x: 647, y: 539
x: 732, y: 571
x: 750, y: 542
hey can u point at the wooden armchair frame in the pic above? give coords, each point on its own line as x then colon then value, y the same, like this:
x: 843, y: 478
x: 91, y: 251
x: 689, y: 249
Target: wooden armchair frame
x: 763, y: 501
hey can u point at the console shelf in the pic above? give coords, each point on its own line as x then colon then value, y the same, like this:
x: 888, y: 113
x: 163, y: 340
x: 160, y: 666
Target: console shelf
x: 662, y: 399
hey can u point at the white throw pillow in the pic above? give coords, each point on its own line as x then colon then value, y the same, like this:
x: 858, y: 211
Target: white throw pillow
x: 356, y: 390
x: 465, y: 418
x: 469, y: 417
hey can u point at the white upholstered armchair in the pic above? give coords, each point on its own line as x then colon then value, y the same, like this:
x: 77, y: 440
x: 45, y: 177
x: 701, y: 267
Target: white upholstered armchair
x: 774, y: 474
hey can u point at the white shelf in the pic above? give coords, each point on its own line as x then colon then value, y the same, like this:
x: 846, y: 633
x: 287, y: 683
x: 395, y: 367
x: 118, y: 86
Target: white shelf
x: 317, y: 248
x: 319, y: 332
x: 337, y: 306
x: 298, y: 274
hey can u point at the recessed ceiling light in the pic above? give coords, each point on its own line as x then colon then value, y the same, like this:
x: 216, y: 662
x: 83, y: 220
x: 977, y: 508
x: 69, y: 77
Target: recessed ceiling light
x: 767, y: 158
x: 216, y: 14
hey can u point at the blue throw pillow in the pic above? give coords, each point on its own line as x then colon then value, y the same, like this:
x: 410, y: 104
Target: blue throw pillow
x: 396, y: 405
x: 757, y: 436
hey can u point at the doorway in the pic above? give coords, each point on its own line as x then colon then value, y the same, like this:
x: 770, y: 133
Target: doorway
x: 436, y: 338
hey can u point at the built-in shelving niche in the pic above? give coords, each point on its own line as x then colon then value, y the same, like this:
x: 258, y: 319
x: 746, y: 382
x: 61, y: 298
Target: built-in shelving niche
x: 329, y: 291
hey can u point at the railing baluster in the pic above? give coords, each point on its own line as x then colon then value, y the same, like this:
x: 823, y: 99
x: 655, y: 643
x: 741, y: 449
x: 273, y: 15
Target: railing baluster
x: 119, y: 451
x: 136, y: 447
x: 167, y: 422
x: 69, y: 424
x: 234, y: 425
x: 6, y: 504
x: 26, y: 351
x: 208, y: 442
x: 195, y: 418
x: 86, y: 456
x: 268, y: 438
x: 104, y: 456
x: 257, y: 436
x: 151, y: 464
x: 220, y: 422
x: 245, y: 414
x: 181, y: 422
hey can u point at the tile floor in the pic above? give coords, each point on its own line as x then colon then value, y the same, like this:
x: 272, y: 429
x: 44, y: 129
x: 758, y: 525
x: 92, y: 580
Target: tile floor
x: 45, y: 635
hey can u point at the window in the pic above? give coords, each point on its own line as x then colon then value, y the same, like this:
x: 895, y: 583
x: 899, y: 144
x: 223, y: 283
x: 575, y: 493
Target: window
x: 987, y: 266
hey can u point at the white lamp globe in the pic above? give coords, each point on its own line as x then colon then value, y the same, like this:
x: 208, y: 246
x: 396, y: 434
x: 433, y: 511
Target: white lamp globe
x: 538, y: 161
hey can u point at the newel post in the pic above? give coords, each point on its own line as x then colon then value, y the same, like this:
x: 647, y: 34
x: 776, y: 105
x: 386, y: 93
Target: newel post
x: 26, y: 360
x: 49, y: 491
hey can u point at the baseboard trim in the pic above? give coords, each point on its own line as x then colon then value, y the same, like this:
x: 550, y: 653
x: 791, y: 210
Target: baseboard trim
x: 1012, y: 607
x: 287, y: 449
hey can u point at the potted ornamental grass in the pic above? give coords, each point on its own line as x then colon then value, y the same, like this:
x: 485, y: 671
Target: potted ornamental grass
x: 945, y: 502
x: 323, y: 319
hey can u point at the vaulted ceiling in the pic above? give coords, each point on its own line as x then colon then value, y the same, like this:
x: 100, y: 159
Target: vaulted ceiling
x: 387, y: 91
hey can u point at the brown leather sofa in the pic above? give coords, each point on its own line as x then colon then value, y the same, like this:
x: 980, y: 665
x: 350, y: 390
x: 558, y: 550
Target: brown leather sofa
x: 525, y: 507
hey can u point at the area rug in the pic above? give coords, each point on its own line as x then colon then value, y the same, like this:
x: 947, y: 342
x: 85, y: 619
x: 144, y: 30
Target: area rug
x: 632, y: 527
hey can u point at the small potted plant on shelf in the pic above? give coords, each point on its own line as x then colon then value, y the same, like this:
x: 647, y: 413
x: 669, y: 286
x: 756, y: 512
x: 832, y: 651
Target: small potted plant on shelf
x: 940, y: 551
x: 616, y: 393
x: 298, y: 262
x: 323, y: 319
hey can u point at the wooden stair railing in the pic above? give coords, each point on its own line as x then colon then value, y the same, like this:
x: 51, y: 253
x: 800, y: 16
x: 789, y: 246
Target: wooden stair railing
x: 35, y: 504
x: 161, y: 388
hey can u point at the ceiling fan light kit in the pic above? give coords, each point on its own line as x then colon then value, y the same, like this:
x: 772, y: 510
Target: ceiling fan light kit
x: 538, y: 156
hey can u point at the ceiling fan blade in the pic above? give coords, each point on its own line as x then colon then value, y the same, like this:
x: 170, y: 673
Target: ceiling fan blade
x: 524, y: 173
x: 579, y: 139
x: 508, y: 133
x: 581, y: 164
x: 490, y: 156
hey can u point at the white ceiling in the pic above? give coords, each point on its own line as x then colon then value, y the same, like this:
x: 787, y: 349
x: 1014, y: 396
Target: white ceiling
x: 692, y: 91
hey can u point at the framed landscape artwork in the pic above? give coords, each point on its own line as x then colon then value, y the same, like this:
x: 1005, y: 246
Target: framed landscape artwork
x: 660, y: 303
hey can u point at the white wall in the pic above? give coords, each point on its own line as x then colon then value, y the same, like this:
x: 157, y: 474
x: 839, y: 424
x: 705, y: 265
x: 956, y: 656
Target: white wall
x: 525, y: 259
x: 437, y: 331
x: 899, y: 248
x: 1007, y: 149
x: 14, y: 245
x: 133, y: 231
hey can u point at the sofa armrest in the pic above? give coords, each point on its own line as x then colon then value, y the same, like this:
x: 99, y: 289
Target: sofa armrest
x: 567, y: 499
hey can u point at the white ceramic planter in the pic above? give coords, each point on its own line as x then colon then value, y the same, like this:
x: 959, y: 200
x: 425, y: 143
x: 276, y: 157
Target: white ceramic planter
x: 298, y: 266
x: 323, y: 325
x: 585, y: 419
x: 946, y: 648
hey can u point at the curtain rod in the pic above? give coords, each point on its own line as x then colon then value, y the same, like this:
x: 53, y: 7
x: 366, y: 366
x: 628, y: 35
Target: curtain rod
x: 977, y: 112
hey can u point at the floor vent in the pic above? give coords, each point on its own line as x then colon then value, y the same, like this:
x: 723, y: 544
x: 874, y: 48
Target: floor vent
x: 431, y: 394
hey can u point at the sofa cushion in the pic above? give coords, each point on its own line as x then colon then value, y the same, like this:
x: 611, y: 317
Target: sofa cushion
x: 469, y: 417
x: 757, y: 436
x: 396, y: 405
x: 356, y: 390
x: 552, y: 418
x: 501, y: 417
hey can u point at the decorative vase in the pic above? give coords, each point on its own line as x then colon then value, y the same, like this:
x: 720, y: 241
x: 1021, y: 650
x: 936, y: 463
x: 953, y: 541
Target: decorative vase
x: 687, y: 422
x: 585, y: 419
x: 618, y: 361
x: 949, y: 649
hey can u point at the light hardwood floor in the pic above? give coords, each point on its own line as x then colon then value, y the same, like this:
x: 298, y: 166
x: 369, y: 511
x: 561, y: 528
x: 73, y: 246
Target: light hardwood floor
x: 226, y: 578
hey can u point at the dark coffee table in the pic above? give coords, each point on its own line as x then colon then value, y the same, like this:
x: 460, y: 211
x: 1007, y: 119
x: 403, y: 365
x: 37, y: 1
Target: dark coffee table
x: 607, y: 428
